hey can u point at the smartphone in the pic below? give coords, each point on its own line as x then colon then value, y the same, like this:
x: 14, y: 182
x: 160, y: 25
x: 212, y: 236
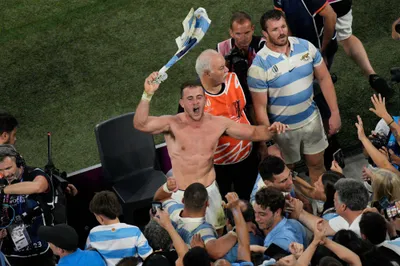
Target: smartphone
x: 154, y: 206
x: 338, y: 156
x: 391, y: 212
x: 384, y: 202
x: 275, y: 251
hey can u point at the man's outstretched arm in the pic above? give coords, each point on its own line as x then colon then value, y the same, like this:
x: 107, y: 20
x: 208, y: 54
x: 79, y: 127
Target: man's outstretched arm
x: 253, y: 133
x: 142, y: 121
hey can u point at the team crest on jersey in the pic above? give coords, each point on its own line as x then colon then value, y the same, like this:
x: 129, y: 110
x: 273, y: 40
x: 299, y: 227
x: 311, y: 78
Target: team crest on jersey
x: 305, y: 57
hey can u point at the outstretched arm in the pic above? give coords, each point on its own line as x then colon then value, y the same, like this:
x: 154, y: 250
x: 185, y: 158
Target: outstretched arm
x: 241, y: 227
x: 307, y: 219
x: 142, y: 121
x: 381, y: 111
x: 379, y: 159
x: 343, y: 253
x: 253, y: 133
x: 162, y: 218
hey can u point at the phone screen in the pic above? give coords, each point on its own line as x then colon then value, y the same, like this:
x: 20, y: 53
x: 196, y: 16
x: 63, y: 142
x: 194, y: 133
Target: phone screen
x: 338, y: 156
x: 391, y: 211
x: 155, y: 205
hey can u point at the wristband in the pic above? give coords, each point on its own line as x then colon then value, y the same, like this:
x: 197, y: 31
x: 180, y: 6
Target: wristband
x: 146, y: 96
x: 390, y: 122
x: 165, y: 188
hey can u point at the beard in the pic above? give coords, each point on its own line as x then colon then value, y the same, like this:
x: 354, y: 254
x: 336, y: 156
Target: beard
x: 279, y: 41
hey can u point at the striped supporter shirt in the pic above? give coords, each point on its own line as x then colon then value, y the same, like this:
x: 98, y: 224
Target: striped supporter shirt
x: 188, y: 227
x: 116, y: 241
x: 288, y: 82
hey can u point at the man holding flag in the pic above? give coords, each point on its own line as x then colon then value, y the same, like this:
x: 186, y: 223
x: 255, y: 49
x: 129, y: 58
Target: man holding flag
x: 192, y: 138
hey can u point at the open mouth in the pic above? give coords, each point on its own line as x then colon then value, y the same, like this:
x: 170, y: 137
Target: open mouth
x: 196, y: 110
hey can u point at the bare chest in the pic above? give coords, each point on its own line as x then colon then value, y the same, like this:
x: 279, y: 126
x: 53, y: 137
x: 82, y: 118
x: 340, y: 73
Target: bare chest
x: 196, y: 139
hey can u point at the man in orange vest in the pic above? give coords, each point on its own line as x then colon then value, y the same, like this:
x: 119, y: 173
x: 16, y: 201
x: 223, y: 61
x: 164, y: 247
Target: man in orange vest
x: 235, y: 161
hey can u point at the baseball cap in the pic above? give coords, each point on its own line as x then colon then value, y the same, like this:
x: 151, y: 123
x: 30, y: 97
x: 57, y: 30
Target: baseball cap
x: 60, y: 235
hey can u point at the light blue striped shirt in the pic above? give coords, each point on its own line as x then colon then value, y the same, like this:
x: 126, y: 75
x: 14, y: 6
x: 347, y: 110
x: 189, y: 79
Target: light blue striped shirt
x: 117, y: 241
x: 288, y: 81
x: 188, y: 227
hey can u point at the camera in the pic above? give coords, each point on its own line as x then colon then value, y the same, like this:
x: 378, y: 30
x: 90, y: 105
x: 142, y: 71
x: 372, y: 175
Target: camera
x: 237, y: 61
x: 378, y: 140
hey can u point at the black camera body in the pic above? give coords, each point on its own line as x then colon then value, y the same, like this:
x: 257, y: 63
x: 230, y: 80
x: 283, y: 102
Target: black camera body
x: 237, y: 61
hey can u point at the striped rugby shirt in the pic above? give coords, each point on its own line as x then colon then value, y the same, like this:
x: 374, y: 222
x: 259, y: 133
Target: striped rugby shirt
x: 288, y: 81
x: 188, y: 227
x: 117, y: 241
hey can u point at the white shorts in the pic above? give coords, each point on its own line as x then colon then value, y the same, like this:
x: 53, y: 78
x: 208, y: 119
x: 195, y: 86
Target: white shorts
x: 309, y: 139
x: 343, y: 26
x: 215, y: 214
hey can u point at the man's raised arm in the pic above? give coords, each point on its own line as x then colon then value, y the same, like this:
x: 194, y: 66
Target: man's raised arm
x: 142, y: 121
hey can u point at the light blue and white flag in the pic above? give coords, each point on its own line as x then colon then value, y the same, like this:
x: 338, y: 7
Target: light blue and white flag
x: 195, y: 27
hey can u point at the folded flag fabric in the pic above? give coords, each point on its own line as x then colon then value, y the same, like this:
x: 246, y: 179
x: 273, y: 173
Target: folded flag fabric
x: 195, y: 27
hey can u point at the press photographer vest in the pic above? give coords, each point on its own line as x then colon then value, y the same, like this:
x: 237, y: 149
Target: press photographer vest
x: 230, y: 103
x: 25, y: 204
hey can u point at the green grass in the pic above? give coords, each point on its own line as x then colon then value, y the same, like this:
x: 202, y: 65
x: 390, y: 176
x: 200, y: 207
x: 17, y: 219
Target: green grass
x: 67, y: 65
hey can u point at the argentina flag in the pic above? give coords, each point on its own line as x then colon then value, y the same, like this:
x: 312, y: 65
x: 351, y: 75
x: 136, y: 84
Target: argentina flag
x: 195, y: 27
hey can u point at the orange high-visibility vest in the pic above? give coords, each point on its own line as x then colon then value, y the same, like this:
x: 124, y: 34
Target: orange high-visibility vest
x: 229, y: 103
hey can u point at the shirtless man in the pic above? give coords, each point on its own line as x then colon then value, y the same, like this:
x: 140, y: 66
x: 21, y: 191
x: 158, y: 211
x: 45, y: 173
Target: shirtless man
x: 192, y: 137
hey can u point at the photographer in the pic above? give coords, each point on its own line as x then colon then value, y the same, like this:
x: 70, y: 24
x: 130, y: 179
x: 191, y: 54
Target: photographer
x: 26, y: 206
x: 240, y: 50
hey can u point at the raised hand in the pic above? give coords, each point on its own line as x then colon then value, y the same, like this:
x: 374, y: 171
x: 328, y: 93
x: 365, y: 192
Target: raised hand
x: 197, y: 241
x: 296, y: 249
x: 150, y: 87
x: 336, y: 167
x: 379, y: 106
x: 162, y: 218
x: 360, y: 128
x: 233, y: 200
x: 297, y: 208
x: 319, y: 231
x: 366, y: 174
